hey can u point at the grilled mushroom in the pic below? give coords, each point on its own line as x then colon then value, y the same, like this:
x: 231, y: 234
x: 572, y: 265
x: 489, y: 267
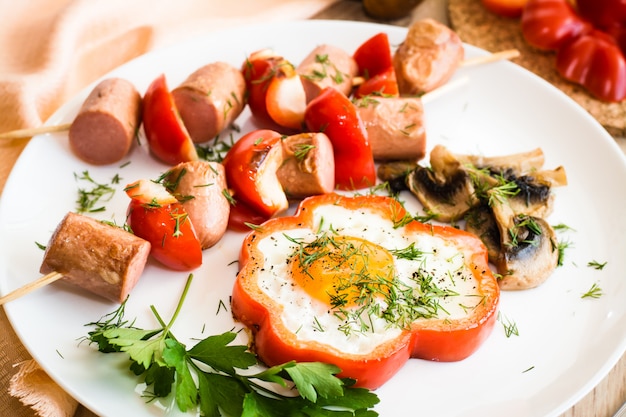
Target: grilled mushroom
x: 445, y: 189
x: 529, y: 249
x: 394, y: 173
x: 481, y: 222
x: 519, y: 163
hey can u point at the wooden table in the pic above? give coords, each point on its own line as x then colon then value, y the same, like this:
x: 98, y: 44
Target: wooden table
x: 602, y: 401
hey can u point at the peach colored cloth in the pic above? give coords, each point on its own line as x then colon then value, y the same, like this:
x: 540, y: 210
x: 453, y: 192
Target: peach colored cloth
x: 51, y: 49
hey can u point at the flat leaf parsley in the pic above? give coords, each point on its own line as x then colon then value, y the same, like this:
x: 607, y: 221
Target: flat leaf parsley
x: 207, y: 378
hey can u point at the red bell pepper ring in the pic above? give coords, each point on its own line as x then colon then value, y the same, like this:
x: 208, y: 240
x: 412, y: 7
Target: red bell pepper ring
x: 335, y: 115
x: 166, y: 134
x: 251, y: 166
x: 156, y: 216
x: 595, y: 61
x: 439, y: 337
x: 550, y: 24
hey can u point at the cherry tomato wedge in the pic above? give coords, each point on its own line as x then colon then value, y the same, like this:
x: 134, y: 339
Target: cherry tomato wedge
x: 168, y: 229
x: 241, y: 217
x: 334, y: 114
x: 166, y: 134
x: 374, y: 56
x: 156, y: 216
x: 251, y: 166
x: 382, y: 84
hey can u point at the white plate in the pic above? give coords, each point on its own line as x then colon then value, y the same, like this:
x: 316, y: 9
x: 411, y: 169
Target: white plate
x: 566, y: 344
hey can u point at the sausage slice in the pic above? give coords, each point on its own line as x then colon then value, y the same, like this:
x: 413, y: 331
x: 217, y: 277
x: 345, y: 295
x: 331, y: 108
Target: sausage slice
x: 103, y: 259
x: 427, y: 58
x: 327, y: 66
x: 103, y: 131
x: 210, y: 99
x: 200, y: 186
x: 308, y: 166
x: 395, y: 127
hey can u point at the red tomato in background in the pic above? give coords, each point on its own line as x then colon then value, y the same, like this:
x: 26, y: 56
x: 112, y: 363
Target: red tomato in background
x: 604, y: 14
x: 595, y: 61
x: 550, y: 24
x: 505, y: 8
x: 169, y: 231
x: 608, y: 16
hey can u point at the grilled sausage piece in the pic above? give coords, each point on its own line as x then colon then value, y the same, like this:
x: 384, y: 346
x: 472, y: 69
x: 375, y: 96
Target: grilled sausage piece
x: 395, y: 127
x: 100, y: 258
x: 200, y: 186
x: 308, y: 165
x: 327, y: 66
x: 103, y: 131
x: 210, y: 99
x: 427, y: 58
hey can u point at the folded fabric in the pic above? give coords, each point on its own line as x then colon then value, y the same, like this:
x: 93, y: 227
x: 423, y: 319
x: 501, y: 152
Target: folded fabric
x: 51, y: 49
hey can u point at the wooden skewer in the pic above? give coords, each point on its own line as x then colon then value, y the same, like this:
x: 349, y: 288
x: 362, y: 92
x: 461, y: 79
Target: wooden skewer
x: 41, y: 282
x: 485, y: 59
x: 27, y: 133
x: 479, y: 60
x: 444, y: 89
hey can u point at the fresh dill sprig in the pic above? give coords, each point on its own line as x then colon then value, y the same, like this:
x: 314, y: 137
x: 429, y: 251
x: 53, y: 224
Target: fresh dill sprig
x: 89, y: 198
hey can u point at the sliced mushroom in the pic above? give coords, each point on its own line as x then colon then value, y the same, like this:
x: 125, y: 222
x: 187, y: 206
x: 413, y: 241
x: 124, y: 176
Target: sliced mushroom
x: 481, y: 222
x: 395, y: 173
x: 526, y: 193
x: 529, y: 249
x: 445, y: 189
x: 518, y: 163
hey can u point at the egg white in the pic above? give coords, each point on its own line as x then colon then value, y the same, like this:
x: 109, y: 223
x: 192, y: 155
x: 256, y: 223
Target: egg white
x: 313, y: 320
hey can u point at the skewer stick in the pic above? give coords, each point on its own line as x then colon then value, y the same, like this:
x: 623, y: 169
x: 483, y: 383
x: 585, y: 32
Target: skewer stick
x: 41, y: 282
x: 27, y: 133
x: 485, y: 59
x: 444, y: 89
x: 479, y: 60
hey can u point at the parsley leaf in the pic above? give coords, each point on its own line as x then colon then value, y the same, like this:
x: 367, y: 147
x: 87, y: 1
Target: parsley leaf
x: 207, y: 379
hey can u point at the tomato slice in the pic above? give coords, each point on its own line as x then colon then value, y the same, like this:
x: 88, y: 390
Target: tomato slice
x: 156, y: 216
x: 334, y: 114
x: 242, y: 217
x: 382, y: 84
x: 251, y: 166
x: 166, y: 134
x: 373, y: 57
x: 258, y: 71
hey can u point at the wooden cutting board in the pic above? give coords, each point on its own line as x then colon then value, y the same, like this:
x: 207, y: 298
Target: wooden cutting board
x: 477, y: 26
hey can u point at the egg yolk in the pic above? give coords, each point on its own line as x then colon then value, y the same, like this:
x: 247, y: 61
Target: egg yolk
x: 342, y: 271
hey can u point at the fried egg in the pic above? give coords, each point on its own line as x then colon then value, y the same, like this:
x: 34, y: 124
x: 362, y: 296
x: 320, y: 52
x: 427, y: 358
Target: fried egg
x: 355, y: 280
